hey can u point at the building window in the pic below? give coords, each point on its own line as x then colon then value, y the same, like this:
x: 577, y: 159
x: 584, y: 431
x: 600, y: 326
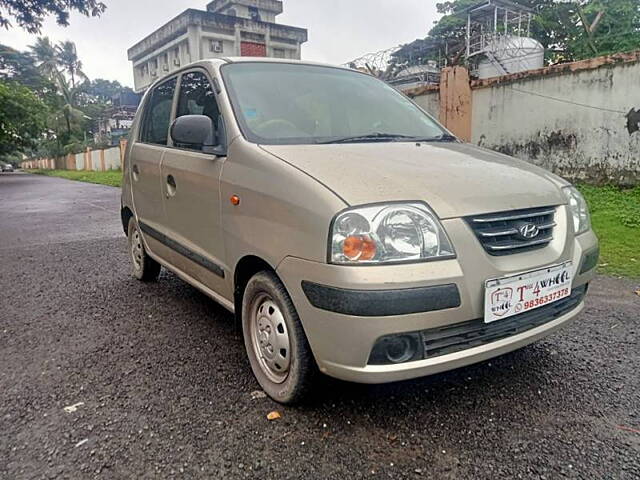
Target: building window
x: 254, y: 14
x: 279, y: 53
x: 216, y: 46
x: 232, y: 12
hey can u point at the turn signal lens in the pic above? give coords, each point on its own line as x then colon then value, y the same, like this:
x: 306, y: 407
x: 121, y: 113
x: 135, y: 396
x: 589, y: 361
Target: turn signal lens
x: 359, y: 247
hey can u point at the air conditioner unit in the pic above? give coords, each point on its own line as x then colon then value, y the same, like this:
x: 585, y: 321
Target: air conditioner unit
x: 216, y: 46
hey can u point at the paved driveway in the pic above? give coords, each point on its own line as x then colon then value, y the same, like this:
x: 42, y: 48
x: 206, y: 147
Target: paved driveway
x: 161, y: 386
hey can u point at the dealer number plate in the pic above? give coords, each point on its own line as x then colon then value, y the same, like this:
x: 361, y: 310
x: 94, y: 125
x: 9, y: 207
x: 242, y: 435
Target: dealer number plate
x: 506, y: 297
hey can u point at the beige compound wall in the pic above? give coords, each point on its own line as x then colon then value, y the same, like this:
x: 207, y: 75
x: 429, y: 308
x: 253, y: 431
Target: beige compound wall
x: 579, y: 120
x: 91, y: 160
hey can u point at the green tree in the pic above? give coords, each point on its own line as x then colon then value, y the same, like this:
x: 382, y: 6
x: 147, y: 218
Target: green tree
x: 20, y: 67
x: 69, y: 114
x: 616, y: 28
x: 104, y: 90
x: 22, y: 118
x: 46, y: 58
x: 569, y: 30
x: 67, y: 57
x: 29, y: 14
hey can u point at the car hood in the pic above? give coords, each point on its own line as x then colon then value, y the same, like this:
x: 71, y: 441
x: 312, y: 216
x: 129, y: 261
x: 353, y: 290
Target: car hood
x: 454, y: 179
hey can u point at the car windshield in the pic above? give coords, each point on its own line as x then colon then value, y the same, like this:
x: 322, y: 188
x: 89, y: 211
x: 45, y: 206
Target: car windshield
x: 281, y: 103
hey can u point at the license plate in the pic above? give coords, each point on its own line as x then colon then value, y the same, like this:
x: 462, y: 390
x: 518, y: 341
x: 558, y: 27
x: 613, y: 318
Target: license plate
x: 506, y: 297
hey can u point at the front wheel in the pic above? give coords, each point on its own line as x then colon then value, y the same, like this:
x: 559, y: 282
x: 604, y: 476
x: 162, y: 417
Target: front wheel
x: 275, y: 341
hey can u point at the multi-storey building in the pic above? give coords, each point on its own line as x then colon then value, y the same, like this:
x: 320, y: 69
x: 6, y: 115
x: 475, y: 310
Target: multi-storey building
x: 227, y: 28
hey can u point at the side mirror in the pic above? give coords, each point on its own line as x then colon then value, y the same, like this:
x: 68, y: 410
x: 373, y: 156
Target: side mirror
x: 197, y: 131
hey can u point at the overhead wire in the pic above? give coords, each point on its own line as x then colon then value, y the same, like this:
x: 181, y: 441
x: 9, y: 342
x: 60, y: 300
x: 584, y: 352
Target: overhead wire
x: 562, y: 100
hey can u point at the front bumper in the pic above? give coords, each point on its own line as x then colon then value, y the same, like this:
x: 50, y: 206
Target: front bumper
x: 342, y: 337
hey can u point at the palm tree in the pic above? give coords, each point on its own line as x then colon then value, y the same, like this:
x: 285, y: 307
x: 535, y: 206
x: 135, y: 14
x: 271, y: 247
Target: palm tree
x: 46, y: 58
x: 67, y: 56
x: 69, y: 104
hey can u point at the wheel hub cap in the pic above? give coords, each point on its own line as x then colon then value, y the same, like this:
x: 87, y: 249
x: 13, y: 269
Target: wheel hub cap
x: 136, y: 250
x: 271, y: 339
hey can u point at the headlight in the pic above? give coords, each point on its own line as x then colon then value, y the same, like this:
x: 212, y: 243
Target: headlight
x: 579, y: 210
x: 388, y: 233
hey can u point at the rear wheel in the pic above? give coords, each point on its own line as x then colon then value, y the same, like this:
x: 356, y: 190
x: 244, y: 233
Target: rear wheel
x: 145, y: 268
x: 276, y: 344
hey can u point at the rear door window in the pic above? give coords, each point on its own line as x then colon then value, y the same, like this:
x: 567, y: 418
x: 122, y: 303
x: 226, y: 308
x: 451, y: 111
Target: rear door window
x: 158, y: 114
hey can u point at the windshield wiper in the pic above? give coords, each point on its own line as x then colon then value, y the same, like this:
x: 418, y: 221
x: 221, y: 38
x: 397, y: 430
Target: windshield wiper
x: 445, y: 137
x: 390, y: 137
x: 372, y: 137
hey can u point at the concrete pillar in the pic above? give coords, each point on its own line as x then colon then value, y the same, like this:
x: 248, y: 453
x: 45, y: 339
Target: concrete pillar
x: 195, y: 45
x: 123, y: 149
x: 267, y: 42
x: 238, y: 41
x: 455, y: 101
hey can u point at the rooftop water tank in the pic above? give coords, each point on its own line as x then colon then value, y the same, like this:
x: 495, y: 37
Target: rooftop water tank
x: 510, y: 54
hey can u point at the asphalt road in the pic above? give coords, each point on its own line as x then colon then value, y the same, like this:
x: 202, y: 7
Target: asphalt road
x: 162, y: 388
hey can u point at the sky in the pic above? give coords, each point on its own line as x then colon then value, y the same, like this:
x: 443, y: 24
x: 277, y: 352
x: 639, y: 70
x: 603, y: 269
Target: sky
x: 339, y: 30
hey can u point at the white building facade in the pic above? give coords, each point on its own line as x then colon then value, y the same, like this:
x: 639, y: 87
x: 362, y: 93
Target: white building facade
x: 228, y: 28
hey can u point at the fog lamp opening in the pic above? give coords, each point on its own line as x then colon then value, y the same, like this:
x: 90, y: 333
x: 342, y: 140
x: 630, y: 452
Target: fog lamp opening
x: 395, y: 349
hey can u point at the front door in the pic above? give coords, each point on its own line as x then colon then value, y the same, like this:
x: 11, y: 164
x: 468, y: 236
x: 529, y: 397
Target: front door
x: 191, y: 183
x: 146, y: 157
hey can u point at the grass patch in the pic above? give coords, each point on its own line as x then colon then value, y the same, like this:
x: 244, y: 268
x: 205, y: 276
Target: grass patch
x: 615, y: 215
x: 113, y: 178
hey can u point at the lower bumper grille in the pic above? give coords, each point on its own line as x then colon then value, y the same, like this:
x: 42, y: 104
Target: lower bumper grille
x: 462, y: 336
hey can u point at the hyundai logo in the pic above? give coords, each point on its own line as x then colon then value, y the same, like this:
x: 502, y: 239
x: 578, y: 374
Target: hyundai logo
x: 528, y: 230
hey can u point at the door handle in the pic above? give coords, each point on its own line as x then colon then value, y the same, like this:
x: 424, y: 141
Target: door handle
x: 171, y: 186
x: 136, y: 172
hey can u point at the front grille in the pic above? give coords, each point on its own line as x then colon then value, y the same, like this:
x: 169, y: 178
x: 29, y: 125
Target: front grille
x: 461, y: 336
x: 499, y: 232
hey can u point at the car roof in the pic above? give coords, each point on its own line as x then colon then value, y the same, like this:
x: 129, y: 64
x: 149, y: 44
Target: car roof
x: 228, y: 60
x: 280, y: 60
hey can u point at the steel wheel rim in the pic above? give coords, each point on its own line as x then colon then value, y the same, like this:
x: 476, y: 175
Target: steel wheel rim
x: 270, y: 338
x: 136, y: 250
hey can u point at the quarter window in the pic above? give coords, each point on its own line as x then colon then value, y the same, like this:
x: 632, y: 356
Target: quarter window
x: 158, y: 114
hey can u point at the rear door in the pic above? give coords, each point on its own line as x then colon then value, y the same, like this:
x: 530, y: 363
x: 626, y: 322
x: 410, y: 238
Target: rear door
x: 146, y: 156
x: 191, y: 182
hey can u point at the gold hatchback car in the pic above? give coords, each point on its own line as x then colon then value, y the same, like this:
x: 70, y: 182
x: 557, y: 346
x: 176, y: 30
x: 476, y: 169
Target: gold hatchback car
x: 350, y: 233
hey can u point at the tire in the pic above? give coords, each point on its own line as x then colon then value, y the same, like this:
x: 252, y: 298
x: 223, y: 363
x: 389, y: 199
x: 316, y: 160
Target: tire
x: 145, y: 268
x: 275, y: 341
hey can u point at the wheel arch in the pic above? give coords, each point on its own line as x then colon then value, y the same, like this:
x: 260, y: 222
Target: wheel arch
x: 246, y: 268
x: 125, y: 215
